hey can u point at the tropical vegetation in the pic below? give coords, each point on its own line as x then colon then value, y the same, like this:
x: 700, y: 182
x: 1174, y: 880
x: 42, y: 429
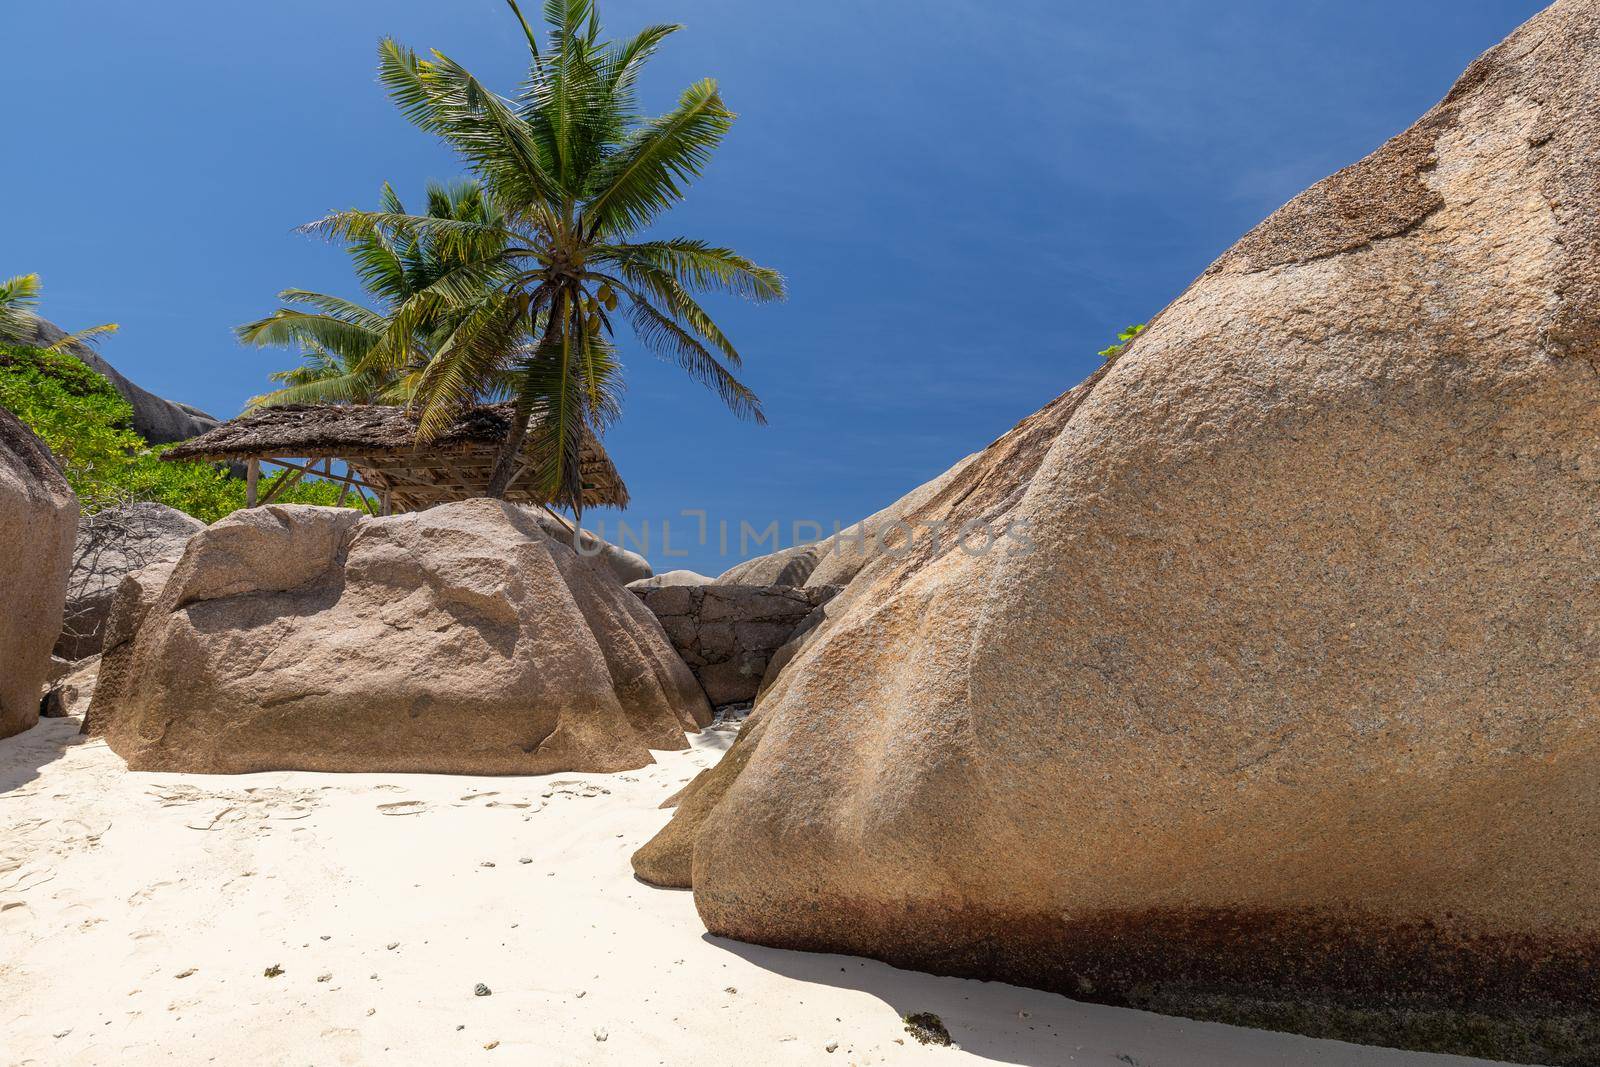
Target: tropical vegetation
x: 88, y: 427
x: 341, y: 342
x: 524, y: 301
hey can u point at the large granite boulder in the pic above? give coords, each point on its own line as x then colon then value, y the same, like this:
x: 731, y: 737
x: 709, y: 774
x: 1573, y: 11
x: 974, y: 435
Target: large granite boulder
x: 462, y: 639
x: 787, y: 566
x: 135, y: 595
x: 837, y: 559
x: 156, y: 420
x: 619, y: 562
x: 728, y: 633
x: 1291, y: 713
x: 110, y: 545
x: 981, y: 496
x: 38, y: 514
x: 670, y: 578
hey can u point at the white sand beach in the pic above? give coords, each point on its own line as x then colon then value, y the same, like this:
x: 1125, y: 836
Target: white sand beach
x: 140, y: 912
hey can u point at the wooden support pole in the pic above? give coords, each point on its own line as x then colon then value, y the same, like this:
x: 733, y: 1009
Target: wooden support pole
x: 252, y: 476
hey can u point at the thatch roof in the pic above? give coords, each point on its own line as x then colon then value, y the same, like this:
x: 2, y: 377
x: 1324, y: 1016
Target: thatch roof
x: 379, y: 442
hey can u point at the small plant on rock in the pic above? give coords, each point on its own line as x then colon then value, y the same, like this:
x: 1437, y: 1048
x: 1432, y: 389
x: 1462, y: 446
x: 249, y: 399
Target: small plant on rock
x: 1124, y: 339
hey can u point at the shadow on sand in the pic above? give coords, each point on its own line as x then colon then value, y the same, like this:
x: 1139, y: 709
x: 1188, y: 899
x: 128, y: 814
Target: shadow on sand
x: 1010, y: 1024
x: 22, y: 755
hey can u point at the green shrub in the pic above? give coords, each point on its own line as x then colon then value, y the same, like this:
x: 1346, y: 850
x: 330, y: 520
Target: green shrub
x: 89, y: 428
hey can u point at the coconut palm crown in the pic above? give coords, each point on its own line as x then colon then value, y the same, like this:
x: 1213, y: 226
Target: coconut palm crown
x: 577, y: 173
x: 342, y: 342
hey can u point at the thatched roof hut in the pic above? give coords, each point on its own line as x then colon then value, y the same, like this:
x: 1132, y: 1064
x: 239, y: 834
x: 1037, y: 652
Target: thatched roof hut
x: 378, y: 445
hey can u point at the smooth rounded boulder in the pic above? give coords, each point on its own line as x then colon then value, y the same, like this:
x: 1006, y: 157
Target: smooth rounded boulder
x: 1290, y: 716
x: 669, y: 579
x: 38, y: 516
x: 623, y: 565
x: 463, y: 639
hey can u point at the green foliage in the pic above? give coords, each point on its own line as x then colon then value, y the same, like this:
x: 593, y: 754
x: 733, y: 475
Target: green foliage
x: 88, y: 427
x: 346, y: 348
x: 1124, y: 339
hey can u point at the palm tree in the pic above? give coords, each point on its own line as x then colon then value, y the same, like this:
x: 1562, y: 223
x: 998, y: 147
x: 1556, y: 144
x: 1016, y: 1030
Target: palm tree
x: 577, y: 173
x: 341, y: 342
x: 19, y: 322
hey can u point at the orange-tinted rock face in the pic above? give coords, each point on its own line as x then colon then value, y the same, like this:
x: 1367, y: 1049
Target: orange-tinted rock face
x: 1290, y: 713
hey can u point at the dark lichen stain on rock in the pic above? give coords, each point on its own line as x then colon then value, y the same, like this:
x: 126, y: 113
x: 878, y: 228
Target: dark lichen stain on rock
x: 1423, y: 985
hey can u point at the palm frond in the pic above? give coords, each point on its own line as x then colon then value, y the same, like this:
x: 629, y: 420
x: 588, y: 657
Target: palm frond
x: 647, y: 174
x: 19, y: 295
x: 479, y: 346
x: 527, y: 31
x: 624, y: 64
x: 20, y: 291
x: 355, y: 223
x: 293, y: 326
x: 89, y: 334
x: 699, y: 265
x: 666, y: 338
x: 443, y: 98
x: 320, y: 380
x: 336, y: 307
x: 672, y: 298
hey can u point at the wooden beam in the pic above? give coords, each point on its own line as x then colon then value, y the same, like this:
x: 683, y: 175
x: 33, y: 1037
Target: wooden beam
x: 352, y: 482
x: 284, y: 480
x: 252, y: 475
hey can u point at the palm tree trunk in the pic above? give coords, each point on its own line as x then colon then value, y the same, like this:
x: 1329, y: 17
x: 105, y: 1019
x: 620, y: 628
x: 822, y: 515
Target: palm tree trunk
x: 505, y: 464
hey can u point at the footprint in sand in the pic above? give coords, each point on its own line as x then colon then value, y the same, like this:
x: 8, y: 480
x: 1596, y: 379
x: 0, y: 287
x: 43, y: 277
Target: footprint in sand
x: 571, y: 787
x: 403, y: 807
x: 148, y: 892
x: 250, y: 804
x: 493, y: 799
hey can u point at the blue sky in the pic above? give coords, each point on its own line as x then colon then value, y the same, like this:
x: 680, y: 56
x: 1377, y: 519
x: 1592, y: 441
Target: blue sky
x: 968, y: 198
